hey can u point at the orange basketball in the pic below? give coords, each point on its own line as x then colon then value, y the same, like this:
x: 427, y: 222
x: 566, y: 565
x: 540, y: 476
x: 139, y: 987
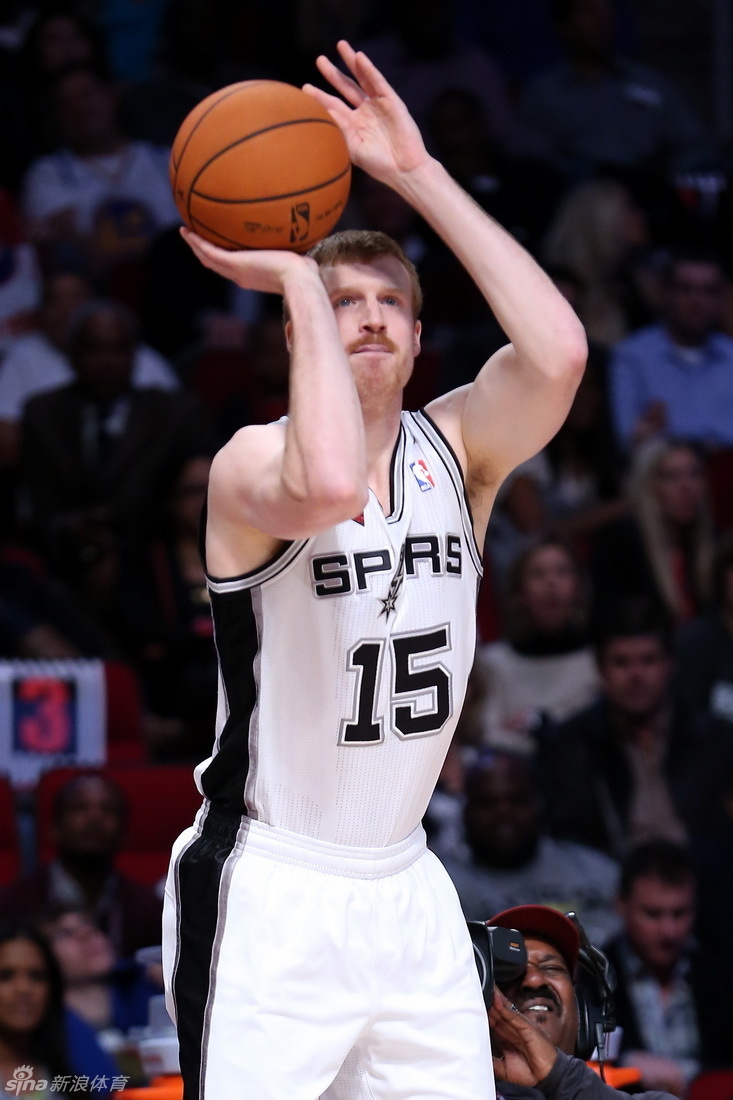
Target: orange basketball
x: 260, y: 164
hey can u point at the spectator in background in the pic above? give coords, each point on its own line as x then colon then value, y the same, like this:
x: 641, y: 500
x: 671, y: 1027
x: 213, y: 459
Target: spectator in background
x: 38, y: 361
x: 39, y: 618
x: 598, y: 110
x: 583, y: 483
x: 20, y: 277
x: 520, y: 193
x: 543, y: 669
x: 59, y: 36
x: 634, y: 765
x: 421, y: 55
x: 89, y: 819
x: 98, y: 454
x: 574, y: 487
x: 663, y: 549
x: 509, y: 857
x: 35, y: 1030
x: 712, y: 854
x: 675, y: 377
x: 109, y: 993
x: 705, y: 643
x: 185, y: 309
x: 672, y: 1000
x: 101, y: 199
x: 600, y: 234
x: 160, y: 613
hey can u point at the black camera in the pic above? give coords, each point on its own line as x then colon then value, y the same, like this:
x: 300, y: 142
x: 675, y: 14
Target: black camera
x: 500, y: 953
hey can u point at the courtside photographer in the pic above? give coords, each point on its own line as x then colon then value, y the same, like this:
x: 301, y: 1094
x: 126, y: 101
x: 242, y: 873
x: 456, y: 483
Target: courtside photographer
x: 550, y: 998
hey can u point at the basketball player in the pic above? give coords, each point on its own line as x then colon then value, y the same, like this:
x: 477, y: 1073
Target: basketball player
x: 312, y: 945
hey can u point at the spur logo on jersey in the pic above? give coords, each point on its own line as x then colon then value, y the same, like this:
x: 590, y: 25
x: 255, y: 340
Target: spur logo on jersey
x: 422, y: 475
x: 341, y: 573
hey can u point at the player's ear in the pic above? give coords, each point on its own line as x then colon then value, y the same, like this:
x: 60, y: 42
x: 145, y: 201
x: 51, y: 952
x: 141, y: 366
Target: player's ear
x: 416, y: 338
x: 289, y: 335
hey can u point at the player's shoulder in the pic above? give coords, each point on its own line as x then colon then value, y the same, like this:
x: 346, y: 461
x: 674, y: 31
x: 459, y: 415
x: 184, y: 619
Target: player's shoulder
x: 446, y: 412
x: 248, y: 444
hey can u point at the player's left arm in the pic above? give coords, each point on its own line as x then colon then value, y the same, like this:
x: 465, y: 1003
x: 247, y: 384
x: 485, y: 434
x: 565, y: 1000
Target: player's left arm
x: 522, y: 394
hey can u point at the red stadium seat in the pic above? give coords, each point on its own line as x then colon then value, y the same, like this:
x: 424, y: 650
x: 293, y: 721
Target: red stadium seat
x: 124, y: 714
x: 9, y: 841
x: 162, y: 800
x: 713, y: 1084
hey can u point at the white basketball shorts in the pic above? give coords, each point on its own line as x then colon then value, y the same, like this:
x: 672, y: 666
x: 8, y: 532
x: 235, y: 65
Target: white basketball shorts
x: 297, y: 969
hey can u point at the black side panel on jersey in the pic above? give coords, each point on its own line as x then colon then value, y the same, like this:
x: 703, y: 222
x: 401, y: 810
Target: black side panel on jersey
x: 202, y: 887
x: 237, y: 643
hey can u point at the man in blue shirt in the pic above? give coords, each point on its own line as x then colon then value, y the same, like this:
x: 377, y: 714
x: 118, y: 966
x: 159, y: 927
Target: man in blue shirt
x: 676, y: 377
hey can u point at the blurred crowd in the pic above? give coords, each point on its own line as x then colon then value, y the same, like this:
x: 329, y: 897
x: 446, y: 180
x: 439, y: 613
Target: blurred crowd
x: 595, y: 750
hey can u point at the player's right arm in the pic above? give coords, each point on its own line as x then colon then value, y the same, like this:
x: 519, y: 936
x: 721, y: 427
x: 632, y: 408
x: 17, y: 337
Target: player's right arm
x: 276, y: 482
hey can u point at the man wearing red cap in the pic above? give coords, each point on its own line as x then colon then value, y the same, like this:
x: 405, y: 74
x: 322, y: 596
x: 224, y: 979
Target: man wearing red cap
x: 534, y: 1021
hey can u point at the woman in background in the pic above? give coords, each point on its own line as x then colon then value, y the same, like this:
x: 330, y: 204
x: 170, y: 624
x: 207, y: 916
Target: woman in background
x: 544, y: 667
x: 39, y: 1039
x: 664, y: 548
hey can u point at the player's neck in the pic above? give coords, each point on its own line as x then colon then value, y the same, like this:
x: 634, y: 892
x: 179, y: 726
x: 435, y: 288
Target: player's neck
x: 381, y: 432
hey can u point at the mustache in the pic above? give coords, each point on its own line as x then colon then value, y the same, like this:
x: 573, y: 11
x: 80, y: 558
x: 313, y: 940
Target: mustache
x: 545, y: 992
x: 365, y: 341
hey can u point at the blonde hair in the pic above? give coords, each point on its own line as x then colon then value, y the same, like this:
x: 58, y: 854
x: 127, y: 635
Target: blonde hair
x: 646, y: 508
x: 586, y: 236
x: 366, y: 245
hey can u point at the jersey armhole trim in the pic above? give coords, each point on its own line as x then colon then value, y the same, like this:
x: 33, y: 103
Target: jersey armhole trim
x: 439, y: 441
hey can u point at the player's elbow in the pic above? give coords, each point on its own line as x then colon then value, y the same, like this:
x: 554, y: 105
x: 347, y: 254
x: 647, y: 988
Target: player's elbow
x: 345, y: 499
x: 332, y: 499
x: 569, y: 353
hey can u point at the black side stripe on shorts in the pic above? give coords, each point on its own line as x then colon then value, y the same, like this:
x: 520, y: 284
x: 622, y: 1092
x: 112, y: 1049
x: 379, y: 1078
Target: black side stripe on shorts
x: 202, y: 876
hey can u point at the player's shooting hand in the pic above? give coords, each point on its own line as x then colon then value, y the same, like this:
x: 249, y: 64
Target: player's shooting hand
x: 263, y: 269
x: 522, y: 1053
x: 380, y: 132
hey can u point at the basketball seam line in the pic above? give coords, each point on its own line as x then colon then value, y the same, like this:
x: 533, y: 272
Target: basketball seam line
x: 271, y: 198
x: 222, y: 99
x: 241, y: 141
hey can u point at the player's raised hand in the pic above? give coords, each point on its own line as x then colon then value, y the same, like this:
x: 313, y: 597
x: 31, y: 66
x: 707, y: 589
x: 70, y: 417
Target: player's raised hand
x: 382, y: 136
x: 261, y: 269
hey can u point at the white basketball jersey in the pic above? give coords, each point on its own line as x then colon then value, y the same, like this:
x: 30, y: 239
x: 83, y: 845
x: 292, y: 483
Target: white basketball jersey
x: 336, y: 711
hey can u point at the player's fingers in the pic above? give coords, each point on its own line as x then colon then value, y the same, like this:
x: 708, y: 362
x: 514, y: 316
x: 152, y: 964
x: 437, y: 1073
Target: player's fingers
x: 343, y: 84
x: 335, y: 106
x: 208, y: 253
x: 368, y: 75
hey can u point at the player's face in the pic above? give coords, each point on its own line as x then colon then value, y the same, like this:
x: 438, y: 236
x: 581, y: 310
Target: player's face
x: 659, y: 917
x: 372, y: 303
x: 546, y: 996
x: 23, y: 987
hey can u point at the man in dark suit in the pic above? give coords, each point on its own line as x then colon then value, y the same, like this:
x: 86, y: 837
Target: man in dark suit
x: 98, y: 454
x: 672, y: 1000
x: 632, y: 766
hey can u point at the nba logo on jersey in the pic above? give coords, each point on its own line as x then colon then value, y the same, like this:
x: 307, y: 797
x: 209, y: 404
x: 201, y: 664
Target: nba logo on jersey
x: 422, y: 475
